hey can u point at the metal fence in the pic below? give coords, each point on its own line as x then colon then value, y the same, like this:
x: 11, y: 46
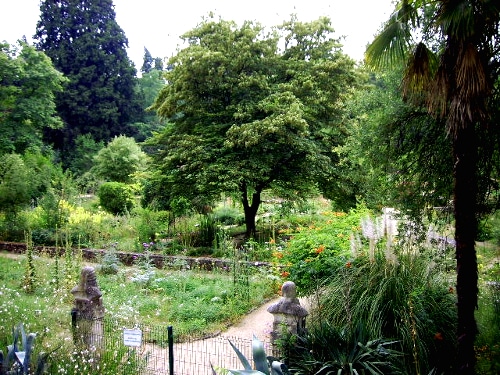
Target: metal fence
x: 154, y: 353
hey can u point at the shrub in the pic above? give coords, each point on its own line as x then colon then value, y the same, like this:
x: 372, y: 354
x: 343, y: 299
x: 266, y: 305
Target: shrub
x: 229, y: 216
x: 314, y: 252
x: 150, y: 224
x: 110, y: 264
x: 119, y: 160
x: 116, y: 197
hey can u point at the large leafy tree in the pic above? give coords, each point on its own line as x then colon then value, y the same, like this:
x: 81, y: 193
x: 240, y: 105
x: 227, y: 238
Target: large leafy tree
x: 452, y: 69
x: 28, y: 84
x: 245, y: 116
x: 88, y: 46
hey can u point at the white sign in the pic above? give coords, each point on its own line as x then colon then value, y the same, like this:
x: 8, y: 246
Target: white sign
x: 132, y: 337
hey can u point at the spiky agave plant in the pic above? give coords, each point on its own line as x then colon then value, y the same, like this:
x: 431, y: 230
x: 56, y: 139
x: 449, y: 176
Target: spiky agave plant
x: 263, y: 364
x: 18, y: 358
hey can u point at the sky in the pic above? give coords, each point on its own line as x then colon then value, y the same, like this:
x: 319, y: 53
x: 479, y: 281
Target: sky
x: 158, y: 24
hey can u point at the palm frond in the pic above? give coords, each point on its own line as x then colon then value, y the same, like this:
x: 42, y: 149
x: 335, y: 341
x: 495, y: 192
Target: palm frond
x: 392, y: 44
x: 456, y: 18
x: 420, y: 72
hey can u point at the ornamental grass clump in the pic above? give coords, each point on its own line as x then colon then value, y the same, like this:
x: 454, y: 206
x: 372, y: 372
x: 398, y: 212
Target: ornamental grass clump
x: 408, y: 301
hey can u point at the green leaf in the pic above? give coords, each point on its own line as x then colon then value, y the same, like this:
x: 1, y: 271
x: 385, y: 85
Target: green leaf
x: 242, y: 358
x: 259, y: 356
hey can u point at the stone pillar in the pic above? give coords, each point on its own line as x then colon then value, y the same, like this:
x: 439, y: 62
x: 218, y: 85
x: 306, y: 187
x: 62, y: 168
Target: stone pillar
x: 289, y: 315
x: 88, y: 311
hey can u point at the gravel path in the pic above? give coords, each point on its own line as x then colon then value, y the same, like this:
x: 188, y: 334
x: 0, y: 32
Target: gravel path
x: 259, y: 323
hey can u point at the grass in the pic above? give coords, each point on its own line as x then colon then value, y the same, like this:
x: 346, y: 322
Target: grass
x: 488, y: 312
x: 195, y: 303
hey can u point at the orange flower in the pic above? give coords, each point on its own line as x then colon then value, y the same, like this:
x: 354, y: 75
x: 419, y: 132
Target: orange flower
x: 451, y: 290
x: 438, y: 336
x: 320, y: 249
x: 278, y: 255
x: 348, y: 265
x: 272, y: 241
x: 285, y: 274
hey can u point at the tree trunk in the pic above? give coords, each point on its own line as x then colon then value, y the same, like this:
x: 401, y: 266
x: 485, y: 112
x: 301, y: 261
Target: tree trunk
x: 250, y: 209
x: 465, y: 207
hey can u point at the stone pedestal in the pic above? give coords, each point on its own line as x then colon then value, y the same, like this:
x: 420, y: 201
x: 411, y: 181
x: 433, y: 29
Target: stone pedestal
x: 88, y: 311
x: 289, y: 315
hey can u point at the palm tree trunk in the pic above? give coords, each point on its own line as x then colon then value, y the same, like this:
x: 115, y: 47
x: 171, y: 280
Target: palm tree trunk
x: 465, y: 193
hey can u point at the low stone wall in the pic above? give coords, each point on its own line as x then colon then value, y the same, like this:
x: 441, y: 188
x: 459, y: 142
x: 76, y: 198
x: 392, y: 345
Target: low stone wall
x: 128, y: 259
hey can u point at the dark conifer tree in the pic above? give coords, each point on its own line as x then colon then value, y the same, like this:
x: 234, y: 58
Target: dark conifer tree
x: 86, y: 43
x: 148, y: 61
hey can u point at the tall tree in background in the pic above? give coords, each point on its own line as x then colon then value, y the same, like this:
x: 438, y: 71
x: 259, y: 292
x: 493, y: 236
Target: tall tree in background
x: 149, y: 85
x: 245, y: 117
x: 87, y: 45
x: 28, y: 84
x: 453, y: 70
x: 148, y: 61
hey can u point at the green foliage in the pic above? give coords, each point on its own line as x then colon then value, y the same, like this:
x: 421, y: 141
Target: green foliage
x: 327, y: 349
x: 406, y: 299
x: 45, y: 175
x: 487, y: 344
x: 395, y: 152
x: 315, y: 252
x: 30, y: 276
x: 119, y: 160
x: 109, y: 264
x: 14, y: 184
x: 116, y: 197
x: 228, y: 215
x: 88, y: 46
x: 83, y: 155
x: 244, y: 117
x: 28, y: 85
x: 151, y: 224
x: 491, y: 228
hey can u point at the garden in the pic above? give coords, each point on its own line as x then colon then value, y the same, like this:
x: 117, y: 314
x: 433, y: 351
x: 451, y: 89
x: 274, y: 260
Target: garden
x: 381, y: 287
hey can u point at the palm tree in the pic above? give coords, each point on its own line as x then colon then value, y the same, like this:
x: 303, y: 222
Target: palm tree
x: 451, y: 51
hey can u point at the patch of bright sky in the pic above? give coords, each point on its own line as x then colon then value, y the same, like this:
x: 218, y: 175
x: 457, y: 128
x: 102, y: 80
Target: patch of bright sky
x: 157, y: 24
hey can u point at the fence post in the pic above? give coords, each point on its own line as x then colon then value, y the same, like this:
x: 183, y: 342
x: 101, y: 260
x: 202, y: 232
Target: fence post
x: 170, y: 350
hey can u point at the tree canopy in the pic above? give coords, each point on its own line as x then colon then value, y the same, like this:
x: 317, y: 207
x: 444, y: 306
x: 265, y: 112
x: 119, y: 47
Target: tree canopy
x: 88, y: 46
x: 245, y: 116
x: 28, y: 85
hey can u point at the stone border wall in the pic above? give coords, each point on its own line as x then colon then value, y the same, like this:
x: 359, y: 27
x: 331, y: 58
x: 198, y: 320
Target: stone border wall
x: 128, y: 259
